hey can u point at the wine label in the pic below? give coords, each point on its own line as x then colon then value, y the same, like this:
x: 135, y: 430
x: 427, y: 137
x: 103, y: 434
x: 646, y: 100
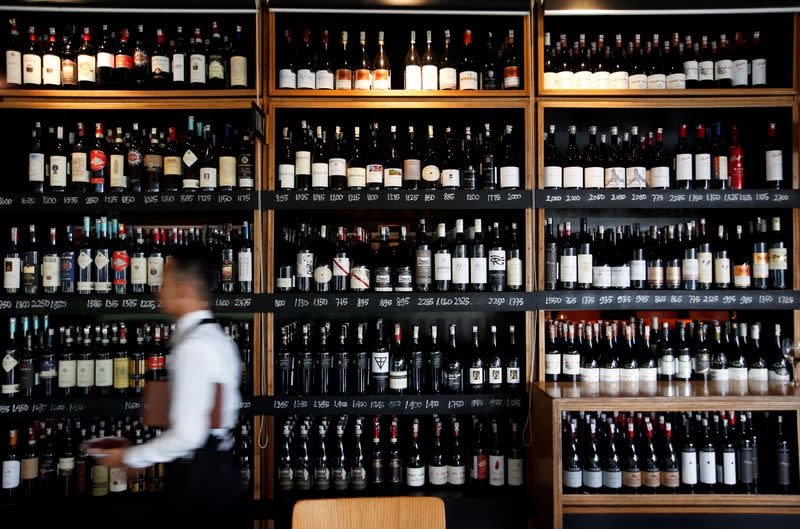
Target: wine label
x: 319, y: 174
x: 590, y: 374
x: 460, y: 266
x: 690, y: 69
x: 759, y: 72
x: 632, y: 479
x: 568, y: 266
x: 178, y: 67
x: 647, y: 374
x: 612, y: 479
x: 639, y: 270
x: 495, y: 375
x: 583, y: 80
x: 609, y: 375
x: 723, y: 69
x: 601, y: 81
x: 593, y: 177
x: 13, y: 67
x: 67, y: 373
x: 285, y: 176
x: 666, y: 365
x: 514, y: 272
x: 363, y: 80
x: 635, y: 177
x: 306, y: 79
x: 138, y: 270
x: 104, y: 372
x: 245, y: 266
x: 155, y: 271
x: 456, y: 475
x: 413, y: 77
x: 11, y: 272
x: 552, y: 363
x: 451, y: 178
x: 448, y: 79
x: 741, y: 276
x: 32, y: 69
x: 659, y: 177
x: 442, y: 267
x: 651, y: 479
x: 159, y: 64
x: 51, y: 70
x: 571, y: 364
x: 360, y: 278
x: 227, y: 171
x: 324, y: 80
x: 702, y: 166
x: 173, y: 165
x: 415, y: 476
x: 511, y: 77
x: 356, y: 177
x: 85, y: 373
x: 382, y: 79
x: 565, y: 80
x: 758, y: 374
x: 739, y: 75
x: 573, y: 177
x: 51, y: 271
x: 497, y: 261
x: 593, y: 479
x: 30, y: 468
x: 477, y: 266
x: 509, y: 177
x: 553, y: 177
x: 618, y: 80
x: 629, y: 375
x: 774, y: 159
x: 689, y: 468
x: 11, y: 474
x: 436, y: 475
x: 657, y: 82
x: 121, y: 373
x: 637, y: 82
x: 722, y: 270
x: 760, y: 266
x: 117, y: 169
x: 476, y: 375
x: 676, y: 81
x: 708, y: 468
x: 705, y: 71
x: 344, y: 79
x: 36, y: 167
x: 778, y: 259
x: 737, y: 373
x: 86, y: 68
x: 468, y: 80
x: 431, y: 173
x: 515, y: 471
x: 601, y: 277
x: 497, y: 471
x: 655, y: 276
x: 614, y: 177
x: 430, y: 77
x: 690, y: 269
x: 287, y: 79
x: 392, y: 177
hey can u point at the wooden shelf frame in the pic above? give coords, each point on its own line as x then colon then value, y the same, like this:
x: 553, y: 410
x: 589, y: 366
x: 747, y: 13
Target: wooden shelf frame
x: 550, y: 399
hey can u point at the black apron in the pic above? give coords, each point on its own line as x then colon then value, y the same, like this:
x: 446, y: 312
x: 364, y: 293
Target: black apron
x: 205, y: 485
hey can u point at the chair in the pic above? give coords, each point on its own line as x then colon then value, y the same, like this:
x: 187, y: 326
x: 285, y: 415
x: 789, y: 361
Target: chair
x: 358, y: 513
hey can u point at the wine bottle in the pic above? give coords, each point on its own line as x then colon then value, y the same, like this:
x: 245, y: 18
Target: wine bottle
x: 344, y: 66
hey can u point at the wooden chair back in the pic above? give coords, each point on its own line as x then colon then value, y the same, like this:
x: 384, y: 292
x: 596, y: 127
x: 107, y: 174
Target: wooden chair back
x: 399, y: 512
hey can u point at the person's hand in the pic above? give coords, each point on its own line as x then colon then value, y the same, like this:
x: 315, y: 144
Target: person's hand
x: 110, y: 457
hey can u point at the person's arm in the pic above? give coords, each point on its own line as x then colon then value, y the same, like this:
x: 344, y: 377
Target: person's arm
x: 189, y: 413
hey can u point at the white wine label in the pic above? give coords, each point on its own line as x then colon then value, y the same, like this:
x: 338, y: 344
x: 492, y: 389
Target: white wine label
x: 158, y: 64
x: 690, y: 68
x: 319, y: 174
x: 285, y: 176
x: 646, y: 374
x: 413, y: 77
x: 32, y: 69
x: 287, y: 78
x: 451, y: 177
x: 676, y: 81
x: 723, y: 69
x: 737, y: 373
x: 515, y: 469
x: 553, y: 177
x: 398, y: 379
x: 774, y: 160
x: 629, y: 375
x: 79, y: 171
x: 593, y: 178
x: 11, y: 272
x: 657, y: 82
x: 690, y: 270
x: 635, y: 177
x: 442, y: 267
x: 155, y: 271
x: 178, y: 67
x: 85, y: 373
x: 448, y: 79
x: 173, y: 165
x: 302, y: 162
x: 705, y: 71
x: 573, y: 177
x: 51, y: 271
x: 460, y: 267
x: 550, y: 81
x: 11, y: 473
x: 306, y: 79
x: 601, y: 81
x: 336, y: 167
x: 495, y: 375
x: 117, y: 177
x: 67, y: 373
x: 197, y: 69
x: 759, y: 72
x: 104, y: 372
x: 612, y: 479
x: 585, y: 268
x: 415, y: 477
x: 437, y: 475
x: 380, y: 362
x: 722, y: 270
x: 583, y: 80
x: 552, y: 364
x: 514, y: 272
x: 659, y: 177
x: 324, y: 80
x: 497, y: 260
x: 509, y: 177
x: 702, y: 166
x: 601, y: 277
x: 609, y: 375
x: 431, y: 173
x: 637, y: 82
x: 568, y: 266
x: 689, y: 468
x: 618, y: 80
x: 476, y: 375
x: 739, y: 77
x: 51, y: 70
x: 778, y: 259
x: 356, y: 177
x: 705, y: 267
x: 392, y: 177
x: 430, y: 77
x: 245, y: 266
x: 719, y: 374
x: 565, y: 80
x: 593, y: 479
x: 477, y: 269
x: 621, y: 276
x: 86, y: 68
x: 227, y: 171
x: 571, y: 364
x: 614, y: 177
x: 14, y: 67
x: 708, y: 468
x: 758, y: 374
x: 359, y: 278
x: 666, y: 365
x: 468, y: 80
x: 138, y: 270
x: 497, y: 471
x: 36, y: 167
x: 590, y: 374
x: 456, y: 475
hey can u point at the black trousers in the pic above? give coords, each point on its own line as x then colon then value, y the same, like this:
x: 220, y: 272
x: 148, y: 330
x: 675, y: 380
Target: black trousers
x: 205, y: 488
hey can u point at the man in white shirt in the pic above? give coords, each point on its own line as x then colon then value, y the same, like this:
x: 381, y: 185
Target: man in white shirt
x: 202, y: 478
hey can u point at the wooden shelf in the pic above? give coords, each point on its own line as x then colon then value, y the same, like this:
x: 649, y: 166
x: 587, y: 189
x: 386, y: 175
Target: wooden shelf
x: 128, y: 99
x: 666, y: 503
x: 665, y: 102
x: 396, y: 94
x: 671, y: 396
x: 689, y: 93
x: 392, y: 100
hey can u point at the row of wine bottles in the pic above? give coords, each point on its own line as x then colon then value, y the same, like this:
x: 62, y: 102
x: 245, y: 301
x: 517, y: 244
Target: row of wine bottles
x: 617, y: 351
x: 43, y: 60
x: 311, y: 259
x: 311, y: 67
x: 47, y: 460
x: 379, y: 160
x: 672, y: 65
x: 684, y: 256
x: 390, y: 455
x: 109, y: 257
x: 639, y: 161
x: 720, y: 452
x: 351, y: 362
x: 94, y: 360
x: 138, y: 159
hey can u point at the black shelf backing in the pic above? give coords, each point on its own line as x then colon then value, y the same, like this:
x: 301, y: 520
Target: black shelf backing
x: 398, y: 302
x: 74, y: 304
x: 666, y: 199
x: 669, y: 300
x: 396, y: 200
x: 389, y: 404
x: 162, y: 202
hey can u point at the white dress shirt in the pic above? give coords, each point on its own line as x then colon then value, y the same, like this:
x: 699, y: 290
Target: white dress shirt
x: 202, y: 355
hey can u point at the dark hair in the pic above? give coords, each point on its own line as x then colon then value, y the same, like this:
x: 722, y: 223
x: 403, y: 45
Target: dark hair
x: 192, y: 262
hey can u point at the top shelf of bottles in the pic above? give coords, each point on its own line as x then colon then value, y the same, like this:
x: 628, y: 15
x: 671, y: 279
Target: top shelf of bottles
x: 231, y: 99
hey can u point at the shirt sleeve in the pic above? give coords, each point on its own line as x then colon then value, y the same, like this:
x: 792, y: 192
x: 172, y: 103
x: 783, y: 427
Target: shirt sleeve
x: 190, y: 410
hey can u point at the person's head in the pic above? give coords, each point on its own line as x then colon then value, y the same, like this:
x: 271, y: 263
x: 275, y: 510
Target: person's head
x: 186, y: 285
